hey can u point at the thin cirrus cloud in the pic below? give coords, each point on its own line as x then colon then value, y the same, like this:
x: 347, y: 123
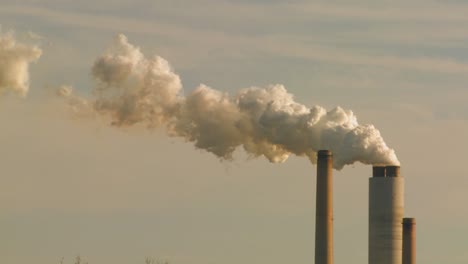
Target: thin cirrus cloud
x: 284, y: 44
x: 423, y: 64
x: 396, y: 12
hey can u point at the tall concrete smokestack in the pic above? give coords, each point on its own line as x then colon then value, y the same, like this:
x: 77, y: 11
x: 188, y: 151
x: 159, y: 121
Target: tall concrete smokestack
x: 409, y: 241
x: 386, y: 208
x: 324, y: 209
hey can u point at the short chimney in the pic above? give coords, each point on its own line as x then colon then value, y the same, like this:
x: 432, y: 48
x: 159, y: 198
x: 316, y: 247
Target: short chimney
x: 409, y: 241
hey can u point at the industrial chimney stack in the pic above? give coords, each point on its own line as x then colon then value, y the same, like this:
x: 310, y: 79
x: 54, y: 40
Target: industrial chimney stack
x: 324, y: 209
x: 386, y: 209
x: 409, y: 241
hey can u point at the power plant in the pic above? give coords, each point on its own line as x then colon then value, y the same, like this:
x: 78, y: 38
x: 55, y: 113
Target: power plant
x: 392, y: 238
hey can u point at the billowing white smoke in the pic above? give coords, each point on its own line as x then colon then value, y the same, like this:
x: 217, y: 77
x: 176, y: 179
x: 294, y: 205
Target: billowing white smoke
x: 133, y: 89
x: 14, y: 63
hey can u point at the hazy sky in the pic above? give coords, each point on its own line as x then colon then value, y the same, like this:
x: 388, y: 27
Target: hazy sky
x: 78, y: 186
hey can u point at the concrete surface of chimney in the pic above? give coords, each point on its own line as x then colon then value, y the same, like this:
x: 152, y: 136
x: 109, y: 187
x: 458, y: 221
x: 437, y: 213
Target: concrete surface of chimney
x: 409, y: 241
x: 324, y: 209
x: 386, y: 209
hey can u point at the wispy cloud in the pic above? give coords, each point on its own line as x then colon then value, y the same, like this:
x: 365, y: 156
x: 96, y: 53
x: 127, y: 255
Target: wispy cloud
x: 342, y: 56
x: 396, y: 11
x: 274, y: 44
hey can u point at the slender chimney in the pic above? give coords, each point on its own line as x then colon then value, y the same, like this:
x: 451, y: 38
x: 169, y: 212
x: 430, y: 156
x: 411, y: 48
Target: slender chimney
x: 324, y: 209
x: 386, y: 206
x: 409, y: 241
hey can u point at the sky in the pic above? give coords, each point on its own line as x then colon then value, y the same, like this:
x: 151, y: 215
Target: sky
x: 73, y: 185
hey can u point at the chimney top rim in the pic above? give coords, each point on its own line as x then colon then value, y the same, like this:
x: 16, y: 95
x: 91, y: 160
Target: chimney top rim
x: 324, y: 153
x: 392, y: 171
x: 409, y: 220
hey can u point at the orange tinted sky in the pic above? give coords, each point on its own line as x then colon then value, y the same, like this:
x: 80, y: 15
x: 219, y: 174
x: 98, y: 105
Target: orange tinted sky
x: 116, y: 196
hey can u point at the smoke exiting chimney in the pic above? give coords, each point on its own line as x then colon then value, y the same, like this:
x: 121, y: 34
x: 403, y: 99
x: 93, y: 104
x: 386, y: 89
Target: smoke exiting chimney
x: 133, y: 89
x: 324, y: 209
x: 409, y: 241
x: 386, y: 208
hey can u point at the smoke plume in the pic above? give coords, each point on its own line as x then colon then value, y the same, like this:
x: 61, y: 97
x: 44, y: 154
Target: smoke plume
x: 133, y: 89
x: 14, y: 63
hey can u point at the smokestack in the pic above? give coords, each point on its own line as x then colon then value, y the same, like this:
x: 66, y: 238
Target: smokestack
x: 386, y: 208
x: 324, y: 209
x: 409, y: 241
